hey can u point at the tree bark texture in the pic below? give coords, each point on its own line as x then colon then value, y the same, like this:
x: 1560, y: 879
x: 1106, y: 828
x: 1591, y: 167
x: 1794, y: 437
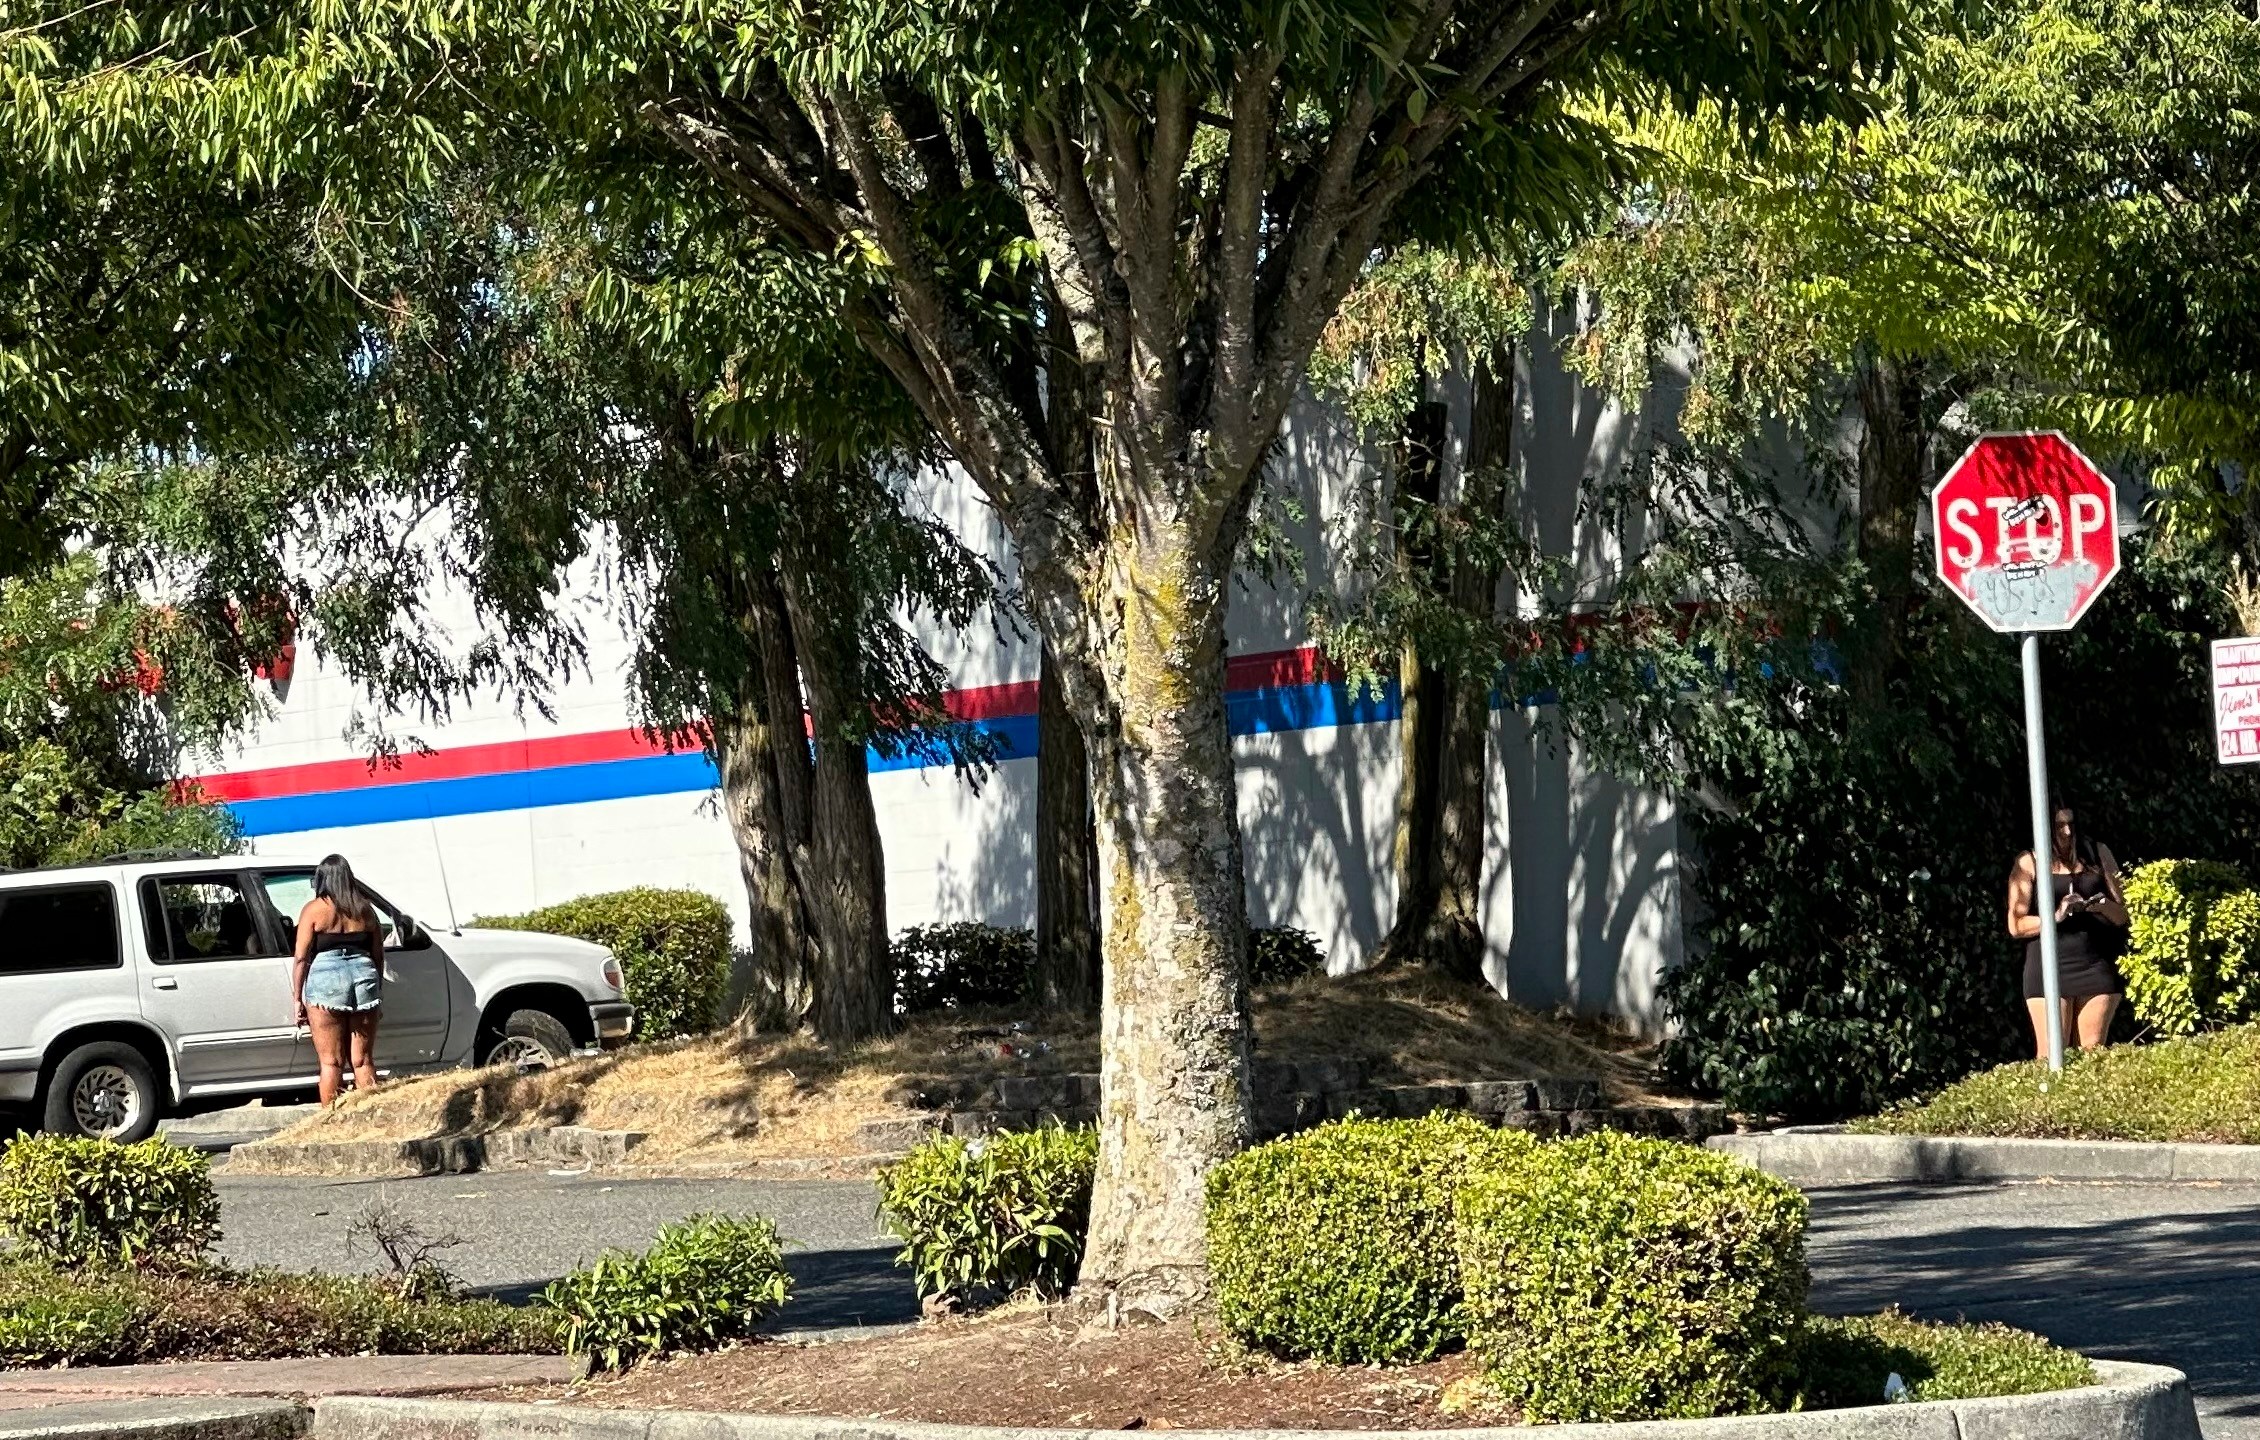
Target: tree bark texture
x: 761, y: 750
x: 846, y: 876
x: 1067, y: 926
x: 1445, y: 724
x: 1174, y: 1048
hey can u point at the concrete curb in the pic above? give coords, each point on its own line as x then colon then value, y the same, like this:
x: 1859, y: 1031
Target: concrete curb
x: 572, y: 1145
x: 2131, y: 1402
x: 1832, y: 1157
x: 167, y: 1419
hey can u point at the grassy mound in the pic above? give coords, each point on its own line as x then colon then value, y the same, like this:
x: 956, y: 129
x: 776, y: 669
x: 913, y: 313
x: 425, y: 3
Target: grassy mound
x: 2201, y: 1087
x: 731, y: 1096
x: 102, y: 1315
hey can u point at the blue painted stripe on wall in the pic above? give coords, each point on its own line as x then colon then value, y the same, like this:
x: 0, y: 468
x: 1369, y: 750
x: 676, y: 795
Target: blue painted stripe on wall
x: 1250, y: 712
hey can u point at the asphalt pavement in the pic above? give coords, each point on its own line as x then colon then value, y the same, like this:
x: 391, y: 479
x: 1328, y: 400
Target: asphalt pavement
x: 2168, y: 1273
x: 2165, y: 1273
x: 521, y: 1229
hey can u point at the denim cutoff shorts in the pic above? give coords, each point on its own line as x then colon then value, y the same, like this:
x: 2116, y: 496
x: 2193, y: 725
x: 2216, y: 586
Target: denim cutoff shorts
x: 343, y: 980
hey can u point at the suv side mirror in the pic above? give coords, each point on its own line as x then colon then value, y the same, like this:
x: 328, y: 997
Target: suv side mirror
x: 412, y: 935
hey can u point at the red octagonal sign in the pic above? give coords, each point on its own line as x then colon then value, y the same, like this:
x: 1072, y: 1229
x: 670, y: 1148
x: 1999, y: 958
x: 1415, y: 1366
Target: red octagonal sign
x: 2027, y: 529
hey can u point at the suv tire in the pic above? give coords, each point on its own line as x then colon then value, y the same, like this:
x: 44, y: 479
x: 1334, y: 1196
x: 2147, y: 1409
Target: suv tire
x: 526, y: 1037
x: 103, y: 1090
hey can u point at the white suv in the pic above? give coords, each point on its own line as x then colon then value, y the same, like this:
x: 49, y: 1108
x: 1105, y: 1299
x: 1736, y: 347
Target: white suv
x: 137, y: 987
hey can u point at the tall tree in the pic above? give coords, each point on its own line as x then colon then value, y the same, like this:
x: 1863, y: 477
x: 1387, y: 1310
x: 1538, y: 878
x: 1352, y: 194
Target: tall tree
x: 1418, y: 318
x: 1191, y: 189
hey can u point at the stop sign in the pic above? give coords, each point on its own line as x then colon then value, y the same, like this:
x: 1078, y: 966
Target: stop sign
x: 2027, y: 530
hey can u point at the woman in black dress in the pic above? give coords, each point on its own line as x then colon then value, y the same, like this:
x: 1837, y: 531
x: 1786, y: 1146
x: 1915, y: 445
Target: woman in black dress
x: 2091, y: 932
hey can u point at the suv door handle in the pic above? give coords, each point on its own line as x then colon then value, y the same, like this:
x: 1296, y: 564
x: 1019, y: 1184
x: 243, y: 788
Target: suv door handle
x: 164, y: 982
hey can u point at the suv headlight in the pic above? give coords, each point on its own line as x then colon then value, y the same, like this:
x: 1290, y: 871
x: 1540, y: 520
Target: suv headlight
x: 612, y: 975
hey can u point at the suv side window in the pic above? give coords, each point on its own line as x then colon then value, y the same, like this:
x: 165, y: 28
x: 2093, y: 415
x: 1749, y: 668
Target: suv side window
x: 289, y: 890
x: 192, y: 918
x: 59, y: 927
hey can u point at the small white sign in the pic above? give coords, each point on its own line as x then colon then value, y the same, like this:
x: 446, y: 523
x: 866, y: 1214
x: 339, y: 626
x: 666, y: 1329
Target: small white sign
x: 2236, y: 700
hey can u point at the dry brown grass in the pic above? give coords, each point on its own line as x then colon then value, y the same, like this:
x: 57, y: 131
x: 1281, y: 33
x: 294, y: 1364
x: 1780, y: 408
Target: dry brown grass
x: 733, y: 1096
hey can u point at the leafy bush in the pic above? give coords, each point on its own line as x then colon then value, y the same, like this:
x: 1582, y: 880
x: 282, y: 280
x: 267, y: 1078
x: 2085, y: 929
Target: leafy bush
x: 2197, y: 1087
x: 704, y: 1281
x: 2193, y: 946
x: 961, y: 965
x: 1845, y: 943
x: 1617, y: 1278
x: 57, y: 808
x: 76, y: 1201
x: 982, y: 1220
x: 1281, y: 953
x: 1842, y: 1363
x: 674, y: 948
x: 116, y: 1315
x: 1338, y: 1244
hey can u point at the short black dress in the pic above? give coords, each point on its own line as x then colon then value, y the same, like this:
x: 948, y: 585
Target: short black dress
x: 2087, y: 946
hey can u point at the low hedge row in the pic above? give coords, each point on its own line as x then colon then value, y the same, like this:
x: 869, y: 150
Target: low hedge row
x: 703, y: 1282
x: 121, y: 1314
x: 74, y: 1201
x: 674, y: 947
x: 1605, y: 1278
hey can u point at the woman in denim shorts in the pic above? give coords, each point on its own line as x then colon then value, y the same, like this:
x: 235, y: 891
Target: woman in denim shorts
x: 337, y: 978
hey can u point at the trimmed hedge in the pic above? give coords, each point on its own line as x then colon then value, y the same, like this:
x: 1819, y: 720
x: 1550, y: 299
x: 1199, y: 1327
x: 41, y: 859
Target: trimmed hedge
x: 705, y: 1280
x: 76, y: 1201
x: 119, y: 1315
x: 674, y: 948
x: 962, y: 965
x: 1338, y: 1243
x: 1843, y: 1363
x: 2193, y: 946
x: 981, y: 1220
x: 1618, y: 1278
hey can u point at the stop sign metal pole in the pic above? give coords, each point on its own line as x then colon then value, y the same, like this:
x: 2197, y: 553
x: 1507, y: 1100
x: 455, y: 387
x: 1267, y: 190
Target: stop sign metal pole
x: 2043, y: 850
x: 2027, y: 532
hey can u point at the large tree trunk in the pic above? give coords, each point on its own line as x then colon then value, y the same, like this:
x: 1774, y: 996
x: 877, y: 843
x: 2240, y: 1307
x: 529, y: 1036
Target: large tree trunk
x: 762, y: 753
x: 1067, y: 930
x: 854, y: 988
x: 1894, y: 468
x: 1445, y: 725
x: 1174, y: 1029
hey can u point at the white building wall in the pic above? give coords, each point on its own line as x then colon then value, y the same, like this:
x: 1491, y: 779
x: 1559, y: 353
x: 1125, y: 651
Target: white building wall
x: 1581, y: 888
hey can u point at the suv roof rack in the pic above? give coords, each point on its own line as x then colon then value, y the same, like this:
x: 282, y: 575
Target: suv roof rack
x: 136, y: 857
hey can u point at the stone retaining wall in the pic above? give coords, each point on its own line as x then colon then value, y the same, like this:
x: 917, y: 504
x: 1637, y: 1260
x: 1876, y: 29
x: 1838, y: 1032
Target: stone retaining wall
x: 1290, y: 1096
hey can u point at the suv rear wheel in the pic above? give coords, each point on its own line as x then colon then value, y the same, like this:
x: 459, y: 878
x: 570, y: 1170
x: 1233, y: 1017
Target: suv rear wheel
x: 526, y: 1037
x: 104, y: 1090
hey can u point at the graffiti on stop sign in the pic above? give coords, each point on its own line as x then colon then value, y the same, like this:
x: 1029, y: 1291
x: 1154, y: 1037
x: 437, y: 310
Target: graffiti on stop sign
x: 2027, y: 531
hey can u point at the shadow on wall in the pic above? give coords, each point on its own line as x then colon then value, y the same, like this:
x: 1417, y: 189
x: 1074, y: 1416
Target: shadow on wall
x: 986, y: 869
x: 1317, y: 820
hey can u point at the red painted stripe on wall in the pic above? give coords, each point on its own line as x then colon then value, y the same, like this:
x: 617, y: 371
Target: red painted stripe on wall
x: 1267, y: 670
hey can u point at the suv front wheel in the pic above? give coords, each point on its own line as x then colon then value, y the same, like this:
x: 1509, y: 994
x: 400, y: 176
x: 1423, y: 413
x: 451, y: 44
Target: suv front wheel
x: 526, y: 1037
x: 104, y: 1090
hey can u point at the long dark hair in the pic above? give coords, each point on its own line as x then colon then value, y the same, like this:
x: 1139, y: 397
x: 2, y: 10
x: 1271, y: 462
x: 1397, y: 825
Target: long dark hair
x: 334, y: 882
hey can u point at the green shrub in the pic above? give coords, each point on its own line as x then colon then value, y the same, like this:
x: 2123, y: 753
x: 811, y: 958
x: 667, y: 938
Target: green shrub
x: 1842, y: 1363
x: 2196, y: 1087
x: 674, y: 947
x: 2193, y: 946
x: 984, y: 1219
x: 118, y: 1315
x: 1338, y: 1244
x: 704, y: 1281
x: 957, y: 966
x: 77, y: 1201
x: 1281, y: 953
x: 1617, y: 1278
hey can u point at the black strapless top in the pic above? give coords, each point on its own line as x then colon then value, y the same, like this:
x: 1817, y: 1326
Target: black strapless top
x: 362, y: 941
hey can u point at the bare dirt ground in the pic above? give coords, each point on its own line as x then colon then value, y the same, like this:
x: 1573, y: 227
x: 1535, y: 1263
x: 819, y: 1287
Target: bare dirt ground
x: 1041, y: 1367
x: 740, y: 1096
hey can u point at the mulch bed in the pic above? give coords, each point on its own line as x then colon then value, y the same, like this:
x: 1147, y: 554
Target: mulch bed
x: 1041, y: 1367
